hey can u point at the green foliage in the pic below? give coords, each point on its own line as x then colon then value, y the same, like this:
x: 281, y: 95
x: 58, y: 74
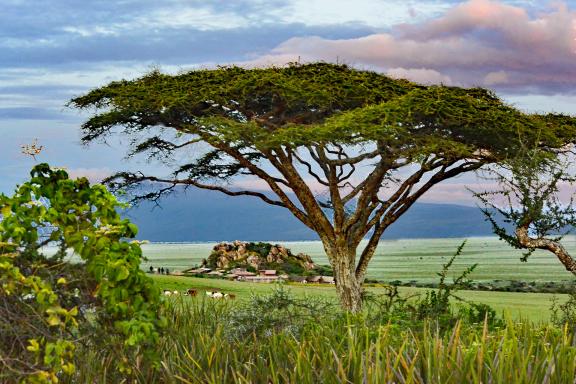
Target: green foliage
x: 274, y: 313
x: 436, y: 303
x: 303, y: 93
x: 262, y: 249
x: 450, y: 121
x: 315, y: 103
x: 478, y: 313
x: 53, y: 209
x: 564, y: 314
x: 529, y: 197
x: 321, y: 270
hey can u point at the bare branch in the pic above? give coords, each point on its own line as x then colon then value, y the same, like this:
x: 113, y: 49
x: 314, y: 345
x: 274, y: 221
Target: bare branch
x: 310, y: 170
x: 404, y: 203
x: 131, y: 179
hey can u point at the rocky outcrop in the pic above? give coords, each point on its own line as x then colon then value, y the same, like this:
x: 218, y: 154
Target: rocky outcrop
x: 256, y: 255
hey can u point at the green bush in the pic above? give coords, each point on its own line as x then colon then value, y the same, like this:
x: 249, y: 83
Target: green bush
x: 47, y: 305
x: 564, y: 314
x: 262, y: 249
x: 277, y: 312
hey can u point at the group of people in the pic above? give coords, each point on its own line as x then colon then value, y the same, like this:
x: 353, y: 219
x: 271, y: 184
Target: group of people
x: 161, y: 270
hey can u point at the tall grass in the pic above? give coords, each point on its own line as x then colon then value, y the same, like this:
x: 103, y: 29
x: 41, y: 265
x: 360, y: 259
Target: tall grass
x: 200, y: 347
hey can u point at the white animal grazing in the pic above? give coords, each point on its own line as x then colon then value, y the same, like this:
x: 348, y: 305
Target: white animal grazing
x: 214, y: 294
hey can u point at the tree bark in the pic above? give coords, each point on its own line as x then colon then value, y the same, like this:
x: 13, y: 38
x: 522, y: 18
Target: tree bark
x: 348, y: 287
x: 553, y: 246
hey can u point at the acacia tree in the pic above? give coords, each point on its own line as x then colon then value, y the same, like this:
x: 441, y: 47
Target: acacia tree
x: 375, y: 144
x: 527, y: 210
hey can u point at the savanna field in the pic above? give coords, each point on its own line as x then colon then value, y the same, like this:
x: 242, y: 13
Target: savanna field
x: 297, y: 334
x: 210, y: 128
x: 91, y: 311
x: 403, y: 259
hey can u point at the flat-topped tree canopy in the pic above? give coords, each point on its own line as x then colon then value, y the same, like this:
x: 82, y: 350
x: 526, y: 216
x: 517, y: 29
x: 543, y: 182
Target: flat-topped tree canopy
x: 358, y: 134
x: 272, y: 97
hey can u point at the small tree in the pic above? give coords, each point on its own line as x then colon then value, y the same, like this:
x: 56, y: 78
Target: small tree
x: 527, y: 210
x: 375, y: 144
x: 43, y: 299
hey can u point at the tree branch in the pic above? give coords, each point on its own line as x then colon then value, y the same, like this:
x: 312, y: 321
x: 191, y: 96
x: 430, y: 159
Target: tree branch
x: 402, y: 205
x: 133, y: 179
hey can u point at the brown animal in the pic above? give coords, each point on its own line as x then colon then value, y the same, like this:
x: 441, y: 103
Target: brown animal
x: 191, y: 292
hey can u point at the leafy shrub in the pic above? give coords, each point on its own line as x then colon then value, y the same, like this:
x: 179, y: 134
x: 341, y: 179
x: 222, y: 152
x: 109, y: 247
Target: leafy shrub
x: 323, y: 270
x: 274, y: 313
x: 263, y: 249
x: 47, y: 305
x: 435, y: 304
x: 477, y: 313
x: 564, y: 314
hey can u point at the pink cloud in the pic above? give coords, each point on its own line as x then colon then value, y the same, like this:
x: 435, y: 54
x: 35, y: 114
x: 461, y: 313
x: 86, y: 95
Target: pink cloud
x: 95, y: 175
x: 420, y: 75
x: 479, y: 42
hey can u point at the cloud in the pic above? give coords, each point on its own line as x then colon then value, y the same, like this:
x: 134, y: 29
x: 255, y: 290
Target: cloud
x: 479, y: 42
x: 496, y: 78
x: 54, y: 50
x: 29, y: 113
x: 420, y: 75
x: 457, y: 193
x: 95, y: 175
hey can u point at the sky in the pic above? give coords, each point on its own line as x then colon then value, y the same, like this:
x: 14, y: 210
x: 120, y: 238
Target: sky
x: 51, y: 51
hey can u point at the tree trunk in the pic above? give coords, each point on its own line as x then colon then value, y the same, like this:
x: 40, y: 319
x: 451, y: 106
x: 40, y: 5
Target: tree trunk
x: 349, y: 288
x: 542, y: 243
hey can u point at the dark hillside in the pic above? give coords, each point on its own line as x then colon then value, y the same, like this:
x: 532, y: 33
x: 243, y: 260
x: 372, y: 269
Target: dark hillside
x: 207, y: 216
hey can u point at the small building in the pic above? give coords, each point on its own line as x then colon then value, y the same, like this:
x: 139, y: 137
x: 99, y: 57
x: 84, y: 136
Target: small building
x: 262, y: 279
x: 327, y: 279
x: 314, y: 279
x: 197, y: 271
x: 267, y: 272
x: 244, y: 274
x: 265, y: 278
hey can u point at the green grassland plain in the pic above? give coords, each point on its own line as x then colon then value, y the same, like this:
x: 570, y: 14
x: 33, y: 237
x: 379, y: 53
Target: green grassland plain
x: 406, y: 260
x: 529, y: 306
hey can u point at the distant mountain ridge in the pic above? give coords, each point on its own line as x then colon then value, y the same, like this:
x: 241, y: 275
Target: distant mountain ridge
x: 199, y: 215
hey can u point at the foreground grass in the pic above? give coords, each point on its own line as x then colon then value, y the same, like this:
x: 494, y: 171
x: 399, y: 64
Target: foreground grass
x: 526, y: 306
x: 202, y: 346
